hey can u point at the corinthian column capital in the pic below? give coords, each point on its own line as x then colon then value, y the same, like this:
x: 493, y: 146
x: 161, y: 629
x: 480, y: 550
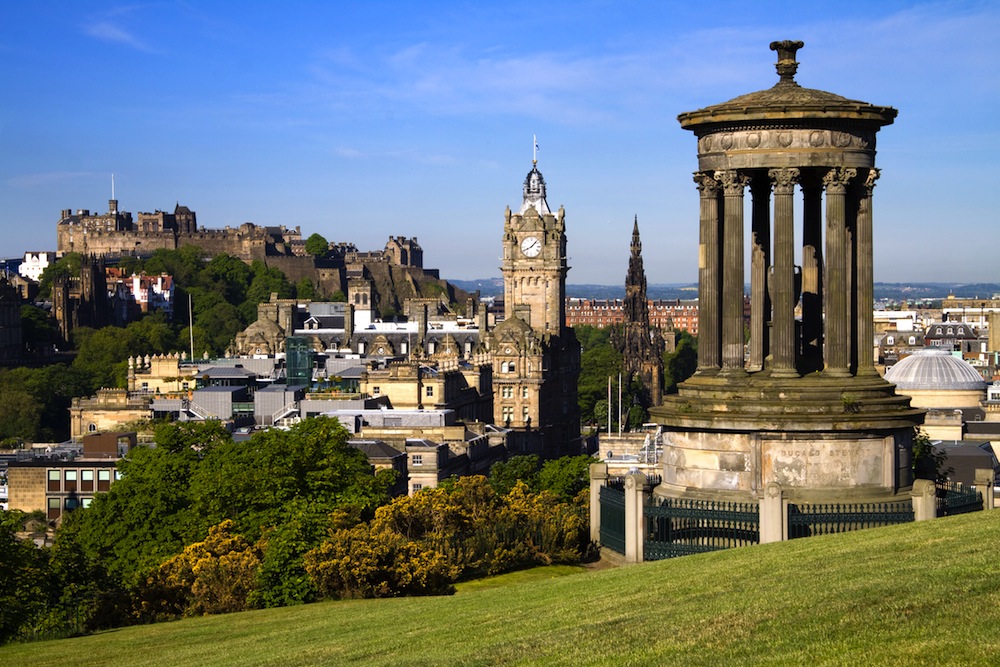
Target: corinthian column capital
x: 784, y: 180
x: 706, y: 184
x: 837, y: 179
x: 733, y: 181
x: 869, y: 184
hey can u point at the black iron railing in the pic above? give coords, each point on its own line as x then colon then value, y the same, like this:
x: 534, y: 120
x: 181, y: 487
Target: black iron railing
x: 678, y: 527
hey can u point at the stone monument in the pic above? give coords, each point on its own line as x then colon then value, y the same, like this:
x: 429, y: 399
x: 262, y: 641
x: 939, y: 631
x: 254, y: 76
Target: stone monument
x: 799, y: 401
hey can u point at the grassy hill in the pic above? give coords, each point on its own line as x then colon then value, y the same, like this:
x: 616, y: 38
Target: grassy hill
x: 917, y: 594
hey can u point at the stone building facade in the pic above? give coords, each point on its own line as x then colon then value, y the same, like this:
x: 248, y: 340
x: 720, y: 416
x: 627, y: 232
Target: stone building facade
x: 536, y: 357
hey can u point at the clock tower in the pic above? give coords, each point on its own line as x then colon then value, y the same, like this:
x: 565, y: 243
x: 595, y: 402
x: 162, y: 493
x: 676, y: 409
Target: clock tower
x: 536, y: 357
x: 534, y: 260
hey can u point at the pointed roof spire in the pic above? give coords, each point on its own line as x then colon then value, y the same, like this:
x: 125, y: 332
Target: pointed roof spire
x: 534, y: 193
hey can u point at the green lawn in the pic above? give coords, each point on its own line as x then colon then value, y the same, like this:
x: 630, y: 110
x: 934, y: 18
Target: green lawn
x: 918, y: 594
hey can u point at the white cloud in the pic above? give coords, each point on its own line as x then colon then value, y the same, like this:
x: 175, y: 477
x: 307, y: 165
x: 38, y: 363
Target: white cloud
x: 109, y: 32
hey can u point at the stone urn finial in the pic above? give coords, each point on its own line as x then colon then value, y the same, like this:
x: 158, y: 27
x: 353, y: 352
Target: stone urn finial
x: 787, y: 65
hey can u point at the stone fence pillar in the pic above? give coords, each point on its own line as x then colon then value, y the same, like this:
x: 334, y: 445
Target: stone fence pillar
x: 924, y: 498
x: 637, y: 490
x: 984, y: 484
x: 773, y: 514
x: 598, y: 478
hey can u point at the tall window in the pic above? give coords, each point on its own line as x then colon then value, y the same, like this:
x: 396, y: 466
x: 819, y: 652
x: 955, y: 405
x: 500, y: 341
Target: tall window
x: 507, y: 392
x: 103, y: 480
x: 70, y: 480
x: 87, y: 481
x: 54, y: 480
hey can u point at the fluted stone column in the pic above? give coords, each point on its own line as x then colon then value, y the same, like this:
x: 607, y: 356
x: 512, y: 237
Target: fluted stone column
x: 760, y: 259
x: 812, y: 271
x: 866, y: 278
x: 733, y: 184
x: 783, y: 280
x: 837, y: 343
x: 709, y: 325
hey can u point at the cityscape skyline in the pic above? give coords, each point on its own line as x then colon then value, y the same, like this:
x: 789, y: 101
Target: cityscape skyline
x: 363, y: 122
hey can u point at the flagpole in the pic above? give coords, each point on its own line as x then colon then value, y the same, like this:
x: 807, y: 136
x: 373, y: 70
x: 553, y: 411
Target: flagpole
x: 609, y: 406
x: 619, y: 404
x: 191, y: 326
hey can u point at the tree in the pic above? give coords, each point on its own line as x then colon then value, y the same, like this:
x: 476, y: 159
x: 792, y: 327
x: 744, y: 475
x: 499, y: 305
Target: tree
x: 254, y: 483
x: 316, y: 245
x: 23, y: 578
x: 566, y: 477
x: 504, y: 475
x: 38, y: 329
x: 304, y: 289
x: 66, y: 266
x: 20, y: 414
x: 682, y: 362
x: 928, y: 461
x: 596, y: 366
x: 214, y: 576
x: 362, y: 563
x: 266, y: 281
x: 148, y: 514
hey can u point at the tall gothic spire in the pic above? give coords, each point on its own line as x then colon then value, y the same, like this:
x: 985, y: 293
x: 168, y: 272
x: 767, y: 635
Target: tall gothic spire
x: 636, y: 307
x: 640, y: 344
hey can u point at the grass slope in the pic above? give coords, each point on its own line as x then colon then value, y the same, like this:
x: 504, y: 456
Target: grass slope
x: 919, y: 594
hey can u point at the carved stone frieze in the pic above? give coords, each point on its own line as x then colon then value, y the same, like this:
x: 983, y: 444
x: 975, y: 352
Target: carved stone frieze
x: 784, y: 138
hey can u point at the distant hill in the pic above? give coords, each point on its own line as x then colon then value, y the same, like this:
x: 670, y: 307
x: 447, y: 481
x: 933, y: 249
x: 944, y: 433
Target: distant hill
x: 892, y: 291
x: 494, y: 287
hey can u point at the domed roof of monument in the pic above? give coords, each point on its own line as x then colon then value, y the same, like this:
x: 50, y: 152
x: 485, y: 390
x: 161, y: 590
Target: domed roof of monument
x: 788, y: 100
x: 932, y: 368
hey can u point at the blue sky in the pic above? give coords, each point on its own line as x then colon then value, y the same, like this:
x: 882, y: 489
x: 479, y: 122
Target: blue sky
x: 360, y: 120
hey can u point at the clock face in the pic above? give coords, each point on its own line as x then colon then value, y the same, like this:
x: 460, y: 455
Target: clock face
x: 531, y: 246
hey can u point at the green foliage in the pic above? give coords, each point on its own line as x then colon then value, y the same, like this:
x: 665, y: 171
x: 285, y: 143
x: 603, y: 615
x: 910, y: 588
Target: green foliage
x: 317, y: 245
x: 476, y: 530
x: 566, y: 477
x: 20, y: 414
x: 66, y: 266
x: 680, y: 364
x: 361, y: 562
x: 265, y: 281
x: 38, y: 329
x: 338, y: 296
x: 214, y: 576
x: 504, y: 475
x: 598, y: 361
x: 103, y: 353
x: 304, y: 289
x: 51, y: 389
x: 253, y: 483
x: 928, y: 461
x: 147, y: 515
x: 270, y: 501
x: 24, y: 582
x: 282, y: 579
